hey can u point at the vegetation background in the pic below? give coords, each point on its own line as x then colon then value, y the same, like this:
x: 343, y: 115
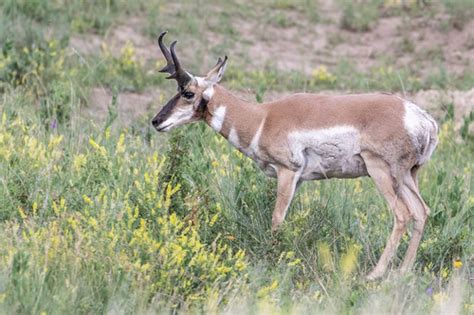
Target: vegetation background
x: 101, y: 214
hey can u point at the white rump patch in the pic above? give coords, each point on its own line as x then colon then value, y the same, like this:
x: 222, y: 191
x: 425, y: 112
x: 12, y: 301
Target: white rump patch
x: 422, y: 130
x: 325, y: 153
x: 218, y: 118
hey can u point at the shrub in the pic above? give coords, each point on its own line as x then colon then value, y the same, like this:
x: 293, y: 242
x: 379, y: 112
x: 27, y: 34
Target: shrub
x: 94, y: 222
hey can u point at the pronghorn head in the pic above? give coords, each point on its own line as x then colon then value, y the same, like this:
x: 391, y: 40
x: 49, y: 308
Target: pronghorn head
x: 194, y: 92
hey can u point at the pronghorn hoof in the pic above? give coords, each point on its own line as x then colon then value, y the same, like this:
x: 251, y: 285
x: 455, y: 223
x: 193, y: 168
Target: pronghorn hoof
x: 275, y: 229
x: 275, y: 239
x: 374, y: 275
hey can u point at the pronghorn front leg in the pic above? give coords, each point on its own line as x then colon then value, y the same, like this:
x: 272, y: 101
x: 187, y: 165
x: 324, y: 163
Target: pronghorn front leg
x: 287, y: 183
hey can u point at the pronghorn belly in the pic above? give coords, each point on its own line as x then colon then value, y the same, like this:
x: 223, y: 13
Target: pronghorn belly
x: 326, y: 153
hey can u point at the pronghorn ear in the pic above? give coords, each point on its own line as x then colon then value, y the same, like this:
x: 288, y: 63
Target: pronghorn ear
x: 216, y: 73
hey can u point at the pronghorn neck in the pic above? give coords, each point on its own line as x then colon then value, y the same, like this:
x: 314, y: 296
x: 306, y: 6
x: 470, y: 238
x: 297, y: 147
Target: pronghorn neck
x: 237, y: 120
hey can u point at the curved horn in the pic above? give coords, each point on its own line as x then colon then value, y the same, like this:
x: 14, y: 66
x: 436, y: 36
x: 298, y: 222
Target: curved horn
x: 169, y: 68
x: 180, y: 75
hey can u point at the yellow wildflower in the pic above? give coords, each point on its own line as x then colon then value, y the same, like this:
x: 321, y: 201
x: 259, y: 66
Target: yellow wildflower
x: 268, y: 289
x: 87, y: 199
x: 56, y: 208
x: 107, y: 133
x: 35, y: 207
x: 97, y: 147
x: 321, y: 74
x: 22, y: 213
x: 440, y: 297
x: 145, y: 267
x: 349, y: 259
x: 120, y: 144
x: 325, y: 256
x: 54, y: 141
x: 92, y: 222
x: 295, y: 262
x: 318, y: 296
x: 457, y: 263
x: 213, y: 219
x: 174, y: 219
x: 170, y: 191
x: 223, y: 269
x: 79, y: 161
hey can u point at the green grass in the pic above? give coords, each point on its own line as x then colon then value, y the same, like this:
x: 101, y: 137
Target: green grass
x: 461, y: 11
x: 68, y: 203
x: 359, y: 16
x: 99, y: 217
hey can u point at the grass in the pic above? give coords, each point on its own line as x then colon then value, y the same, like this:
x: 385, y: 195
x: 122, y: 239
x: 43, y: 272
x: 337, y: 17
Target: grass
x: 359, y: 16
x: 461, y: 11
x: 77, y: 192
x: 99, y: 217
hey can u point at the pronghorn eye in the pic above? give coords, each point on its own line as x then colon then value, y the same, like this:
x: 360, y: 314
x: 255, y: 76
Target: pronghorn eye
x: 188, y: 95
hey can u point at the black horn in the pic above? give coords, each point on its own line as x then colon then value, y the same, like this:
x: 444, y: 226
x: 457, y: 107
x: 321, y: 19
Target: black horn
x: 169, y: 68
x: 180, y: 75
x: 173, y: 66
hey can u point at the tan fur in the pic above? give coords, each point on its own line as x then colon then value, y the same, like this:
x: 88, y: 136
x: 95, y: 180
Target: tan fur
x: 379, y: 117
x: 375, y: 122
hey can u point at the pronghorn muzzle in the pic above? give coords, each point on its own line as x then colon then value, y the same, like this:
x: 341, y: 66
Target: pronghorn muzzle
x: 164, y: 114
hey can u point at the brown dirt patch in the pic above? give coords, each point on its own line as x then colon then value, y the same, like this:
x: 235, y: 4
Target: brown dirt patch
x: 417, y: 42
x: 463, y: 102
x: 130, y: 106
x: 115, y: 40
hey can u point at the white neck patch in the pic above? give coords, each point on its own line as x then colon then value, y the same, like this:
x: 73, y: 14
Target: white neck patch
x: 218, y: 118
x: 234, y: 138
x: 253, y: 148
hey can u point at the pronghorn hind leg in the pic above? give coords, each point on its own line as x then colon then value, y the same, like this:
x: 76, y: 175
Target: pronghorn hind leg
x: 414, y: 174
x: 414, y: 187
x: 380, y: 172
x: 419, y: 212
x: 287, y: 184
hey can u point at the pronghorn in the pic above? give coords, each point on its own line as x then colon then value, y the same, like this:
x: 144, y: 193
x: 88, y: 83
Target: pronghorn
x: 308, y: 137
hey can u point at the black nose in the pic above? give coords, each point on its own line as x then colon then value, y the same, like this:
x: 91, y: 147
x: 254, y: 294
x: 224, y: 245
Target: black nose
x: 156, y: 122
